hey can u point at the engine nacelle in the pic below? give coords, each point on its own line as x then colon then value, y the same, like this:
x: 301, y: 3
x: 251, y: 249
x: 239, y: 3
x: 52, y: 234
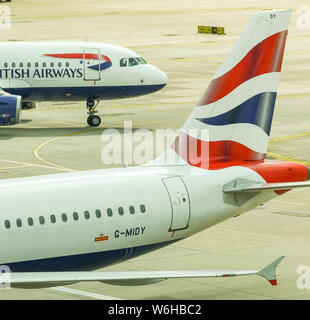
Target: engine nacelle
x: 10, y: 109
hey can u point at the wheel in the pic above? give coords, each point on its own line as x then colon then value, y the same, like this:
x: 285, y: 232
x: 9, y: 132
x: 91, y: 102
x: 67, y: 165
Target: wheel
x: 94, y: 121
x: 88, y: 120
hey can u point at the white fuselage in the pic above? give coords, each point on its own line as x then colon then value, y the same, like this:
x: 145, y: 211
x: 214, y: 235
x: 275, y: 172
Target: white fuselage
x: 58, y: 71
x: 151, y: 207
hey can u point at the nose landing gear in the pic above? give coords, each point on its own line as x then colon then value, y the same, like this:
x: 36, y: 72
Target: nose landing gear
x: 92, y: 120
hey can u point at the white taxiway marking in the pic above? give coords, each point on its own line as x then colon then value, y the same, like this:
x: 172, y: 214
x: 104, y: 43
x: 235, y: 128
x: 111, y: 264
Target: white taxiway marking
x: 85, y: 293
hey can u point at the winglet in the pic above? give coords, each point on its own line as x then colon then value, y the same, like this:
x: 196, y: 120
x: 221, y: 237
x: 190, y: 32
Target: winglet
x: 269, y: 272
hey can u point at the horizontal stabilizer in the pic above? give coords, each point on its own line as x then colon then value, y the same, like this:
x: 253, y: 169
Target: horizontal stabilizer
x: 245, y: 185
x: 51, y: 279
x: 269, y: 272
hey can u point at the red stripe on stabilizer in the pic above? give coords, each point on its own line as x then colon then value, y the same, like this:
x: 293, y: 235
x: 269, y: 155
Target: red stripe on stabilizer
x: 213, y: 154
x: 89, y: 56
x: 265, y: 57
x: 273, y: 282
x: 274, y: 171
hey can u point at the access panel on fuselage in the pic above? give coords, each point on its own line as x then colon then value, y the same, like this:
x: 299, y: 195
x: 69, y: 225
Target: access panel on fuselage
x: 91, y: 62
x: 180, y: 203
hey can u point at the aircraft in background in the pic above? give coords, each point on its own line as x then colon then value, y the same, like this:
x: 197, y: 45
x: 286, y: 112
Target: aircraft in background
x: 65, y: 223
x: 71, y: 71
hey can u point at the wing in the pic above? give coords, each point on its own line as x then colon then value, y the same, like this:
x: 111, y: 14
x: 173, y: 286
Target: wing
x: 51, y: 279
x: 244, y: 185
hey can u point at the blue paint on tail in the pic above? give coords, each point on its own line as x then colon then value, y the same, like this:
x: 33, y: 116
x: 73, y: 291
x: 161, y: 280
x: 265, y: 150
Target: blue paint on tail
x: 257, y: 110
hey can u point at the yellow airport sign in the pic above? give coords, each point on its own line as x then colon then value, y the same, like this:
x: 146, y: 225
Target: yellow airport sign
x: 211, y: 30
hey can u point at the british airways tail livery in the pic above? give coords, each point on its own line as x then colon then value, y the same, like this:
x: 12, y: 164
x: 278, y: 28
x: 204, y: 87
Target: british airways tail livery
x: 67, y: 224
x: 57, y: 71
x: 237, y: 107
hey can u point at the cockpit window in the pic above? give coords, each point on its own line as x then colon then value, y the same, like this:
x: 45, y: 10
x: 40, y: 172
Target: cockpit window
x: 123, y: 62
x: 132, y: 62
x: 141, y: 60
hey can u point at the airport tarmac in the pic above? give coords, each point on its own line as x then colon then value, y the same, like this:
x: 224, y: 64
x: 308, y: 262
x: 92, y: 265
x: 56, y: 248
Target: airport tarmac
x: 54, y: 137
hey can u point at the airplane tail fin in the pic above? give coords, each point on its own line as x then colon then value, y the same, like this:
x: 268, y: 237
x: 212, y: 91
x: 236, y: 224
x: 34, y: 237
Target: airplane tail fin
x: 232, y: 120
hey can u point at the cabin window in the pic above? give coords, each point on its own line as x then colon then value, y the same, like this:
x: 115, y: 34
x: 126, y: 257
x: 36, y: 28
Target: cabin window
x: 19, y: 222
x: 44, y: 64
x: 120, y: 211
x: 132, y: 209
x: 123, y: 62
x: 28, y: 65
x: 7, y: 224
x: 53, y: 218
x: 30, y: 221
x: 52, y: 64
x: 59, y: 64
x: 21, y: 65
x: 75, y: 216
x: 142, y: 208
x: 41, y: 220
x: 109, y: 212
x: 86, y: 215
x: 36, y: 65
x: 64, y: 217
x: 5, y: 65
x: 98, y: 213
x: 67, y: 64
x: 13, y: 65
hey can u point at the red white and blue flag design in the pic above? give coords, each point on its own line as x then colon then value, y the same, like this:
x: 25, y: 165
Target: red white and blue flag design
x: 237, y: 108
x: 104, y: 62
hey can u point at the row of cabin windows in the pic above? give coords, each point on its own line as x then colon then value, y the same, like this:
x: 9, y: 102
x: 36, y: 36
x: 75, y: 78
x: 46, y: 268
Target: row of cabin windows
x: 36, y: 64
x: 75, y: 216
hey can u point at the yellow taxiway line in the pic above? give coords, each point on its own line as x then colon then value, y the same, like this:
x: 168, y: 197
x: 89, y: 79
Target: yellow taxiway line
x: 269, y: 154
x: 38, y: 148
x: 290, y: 137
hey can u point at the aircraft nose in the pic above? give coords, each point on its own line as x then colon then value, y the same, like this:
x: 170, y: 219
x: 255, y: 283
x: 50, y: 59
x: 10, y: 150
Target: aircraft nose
x: 161, y: 77
x: 154, y: 76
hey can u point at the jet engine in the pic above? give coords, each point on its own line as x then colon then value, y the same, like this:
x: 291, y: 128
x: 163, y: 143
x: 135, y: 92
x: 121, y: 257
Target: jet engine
x: 10, y: 109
